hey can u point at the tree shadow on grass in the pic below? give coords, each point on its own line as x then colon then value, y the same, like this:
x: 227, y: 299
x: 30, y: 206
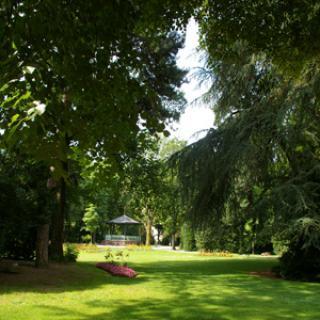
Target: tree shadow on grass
x: 245, y: 298
x: 228, y: 276
x: 60, y: 278
x: 85, y: 276
x: 206, y: 266
x: 218, y: 289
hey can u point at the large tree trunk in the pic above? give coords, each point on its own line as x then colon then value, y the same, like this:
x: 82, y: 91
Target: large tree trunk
x: 42, y: 260
x: 56, y: 248
x: 58, y: 220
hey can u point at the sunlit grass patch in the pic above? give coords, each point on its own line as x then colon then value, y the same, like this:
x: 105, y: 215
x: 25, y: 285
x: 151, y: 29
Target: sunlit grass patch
x: 169, y: 286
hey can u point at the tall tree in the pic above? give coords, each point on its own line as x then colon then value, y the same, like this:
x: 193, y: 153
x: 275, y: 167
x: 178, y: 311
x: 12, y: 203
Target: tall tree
x: 287, y: 31
x: 71, y: 80
x: 265, y: 144
x: 171, y: 204
x: 145, y: 187
x: 91, y: 221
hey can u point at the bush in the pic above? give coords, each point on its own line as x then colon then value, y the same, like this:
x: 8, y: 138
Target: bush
x: 279, y: 246
x: 204, y: 239
x: 70, y: 253
x: 217, y: 238
x: 117, y: 257
x: 188, y: 242
x: 86, y: 238
x: 302, y: 259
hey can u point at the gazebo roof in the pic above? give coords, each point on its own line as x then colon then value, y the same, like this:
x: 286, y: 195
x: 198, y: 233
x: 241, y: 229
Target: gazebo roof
x: 124, y: 219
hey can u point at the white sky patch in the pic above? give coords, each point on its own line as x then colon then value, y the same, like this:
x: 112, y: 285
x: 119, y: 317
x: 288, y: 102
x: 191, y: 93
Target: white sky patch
x: 197, y: 117
x: 194, y: 123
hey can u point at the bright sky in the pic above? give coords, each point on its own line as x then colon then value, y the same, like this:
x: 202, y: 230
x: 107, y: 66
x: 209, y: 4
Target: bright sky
x: 197, y: 117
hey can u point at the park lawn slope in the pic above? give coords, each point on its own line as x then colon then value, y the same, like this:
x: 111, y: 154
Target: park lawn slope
x: 169, y: 286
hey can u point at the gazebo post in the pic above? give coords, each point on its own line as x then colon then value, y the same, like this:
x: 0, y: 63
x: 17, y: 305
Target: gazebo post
x: 125, y: 232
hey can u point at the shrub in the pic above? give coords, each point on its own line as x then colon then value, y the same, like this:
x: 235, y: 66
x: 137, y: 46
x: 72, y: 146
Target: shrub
x: 117, y: 257
x: 86, y: 238
x: 217, y: 238
x: 71, y: 252
x: 302, y: 259
x: 280, y: 246
x: 188, y: 242
x: 204, y: 239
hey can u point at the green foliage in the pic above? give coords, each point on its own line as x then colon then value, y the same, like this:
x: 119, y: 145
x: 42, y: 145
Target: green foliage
x: 91, y: 221
x: 86, y: 238
x: 187, y: 238
x: 143, y: 186
x: 70, y: 253
x: 258, y: 169
x: 88, y: 86
x: 75, y: 89
x: 169, y: 146
x: 205, y: 239
x: 280, y: 246
x: 285, y: 31
x: 222, y: 237
x: 25, y: 203
x: 118, y: 257
x: 302, y: 258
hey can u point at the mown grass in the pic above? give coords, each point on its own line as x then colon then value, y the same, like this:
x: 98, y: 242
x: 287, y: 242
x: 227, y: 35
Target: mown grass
x: 169, y: 286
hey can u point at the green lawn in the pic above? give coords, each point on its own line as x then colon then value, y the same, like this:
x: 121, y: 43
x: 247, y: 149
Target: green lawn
x: 169, y: 286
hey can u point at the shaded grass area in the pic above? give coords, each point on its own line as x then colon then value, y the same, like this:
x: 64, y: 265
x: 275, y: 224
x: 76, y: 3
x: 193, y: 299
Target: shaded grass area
x: 169, y: 286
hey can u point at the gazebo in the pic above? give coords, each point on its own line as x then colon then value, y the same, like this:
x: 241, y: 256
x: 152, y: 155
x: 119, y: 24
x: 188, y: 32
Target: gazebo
x: 128, y: 227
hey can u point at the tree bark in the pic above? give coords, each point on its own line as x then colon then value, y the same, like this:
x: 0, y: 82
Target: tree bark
x: 148, y: 232
x: 173, y: 241
x: 93, y: 238
x: 42, y: 259
x: 56, y: 247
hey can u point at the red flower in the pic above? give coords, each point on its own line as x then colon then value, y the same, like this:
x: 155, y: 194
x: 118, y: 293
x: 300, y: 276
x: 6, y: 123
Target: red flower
x: 116, y: 270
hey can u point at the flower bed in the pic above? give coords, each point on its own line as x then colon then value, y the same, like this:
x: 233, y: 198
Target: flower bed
x: 225, y: 254
x: 116, y: 270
